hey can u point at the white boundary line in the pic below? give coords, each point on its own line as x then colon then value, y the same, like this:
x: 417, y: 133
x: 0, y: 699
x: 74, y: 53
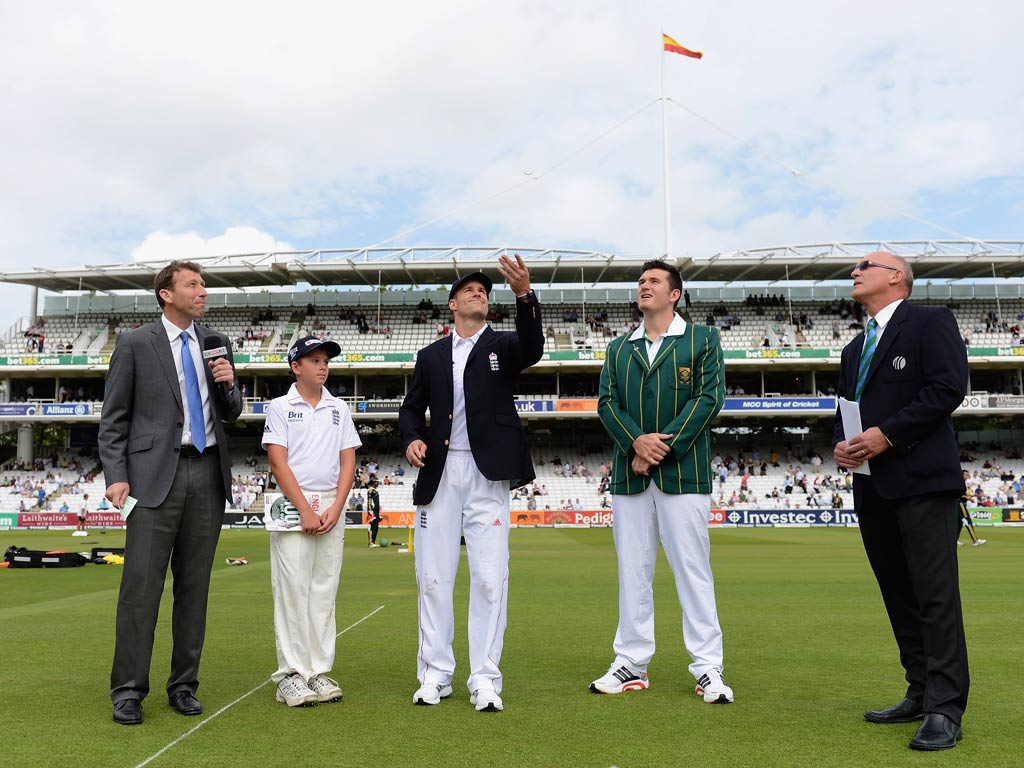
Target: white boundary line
x: 226, y: 707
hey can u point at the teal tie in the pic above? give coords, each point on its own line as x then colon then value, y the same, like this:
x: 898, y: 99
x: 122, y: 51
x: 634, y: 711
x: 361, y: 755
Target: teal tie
x: 195, y: 399
x: 866, y: 356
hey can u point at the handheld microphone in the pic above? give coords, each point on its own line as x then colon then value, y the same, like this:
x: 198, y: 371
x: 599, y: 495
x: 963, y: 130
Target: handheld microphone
x: 213, y: 349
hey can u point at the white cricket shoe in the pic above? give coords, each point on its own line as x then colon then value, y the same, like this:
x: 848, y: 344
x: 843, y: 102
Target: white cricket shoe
x: 325, y: 688
x: 979, y: 542
x: 620, y: 680
x: 431, y: 693
x: 294, y: 692
x: 486, y: 700
x: 712, y: 686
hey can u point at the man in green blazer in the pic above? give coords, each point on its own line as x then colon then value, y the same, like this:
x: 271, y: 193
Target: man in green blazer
x: 661, y: 387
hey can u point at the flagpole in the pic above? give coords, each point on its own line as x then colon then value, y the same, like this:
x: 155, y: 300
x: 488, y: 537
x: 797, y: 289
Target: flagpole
x: 664, y: 150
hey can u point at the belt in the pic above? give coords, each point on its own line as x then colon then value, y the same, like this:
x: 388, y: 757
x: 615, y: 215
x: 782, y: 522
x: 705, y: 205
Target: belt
x: 191, y: 452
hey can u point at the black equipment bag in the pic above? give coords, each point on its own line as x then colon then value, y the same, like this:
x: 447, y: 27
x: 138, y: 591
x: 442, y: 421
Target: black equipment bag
x: 19, y: 557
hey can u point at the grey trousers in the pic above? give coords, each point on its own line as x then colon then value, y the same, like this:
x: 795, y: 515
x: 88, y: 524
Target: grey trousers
x: 183, y: 531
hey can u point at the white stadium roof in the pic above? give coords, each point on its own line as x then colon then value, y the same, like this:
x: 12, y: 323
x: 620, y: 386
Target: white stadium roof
x: 931, y: 259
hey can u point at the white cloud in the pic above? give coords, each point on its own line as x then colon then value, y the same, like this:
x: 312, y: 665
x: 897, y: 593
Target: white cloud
x: 339, y: 124
x: 163, y: 247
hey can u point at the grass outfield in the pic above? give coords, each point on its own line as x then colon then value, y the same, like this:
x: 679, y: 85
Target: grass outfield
x: 807, y: 645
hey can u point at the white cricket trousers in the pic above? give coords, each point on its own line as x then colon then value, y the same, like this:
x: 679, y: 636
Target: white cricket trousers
x: 681, y: 523
x: 304, y: 573
x: 467, y: 503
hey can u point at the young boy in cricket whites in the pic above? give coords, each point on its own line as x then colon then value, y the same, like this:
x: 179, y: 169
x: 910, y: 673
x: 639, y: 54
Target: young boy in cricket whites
x: 311, y: 441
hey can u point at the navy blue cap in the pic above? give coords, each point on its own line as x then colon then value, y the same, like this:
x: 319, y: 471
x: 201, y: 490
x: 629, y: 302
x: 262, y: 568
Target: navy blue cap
x: 478, y: 277
x: 308, y: 344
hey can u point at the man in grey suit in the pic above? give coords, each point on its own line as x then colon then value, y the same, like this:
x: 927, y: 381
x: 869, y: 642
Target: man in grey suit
x: 170, y: 387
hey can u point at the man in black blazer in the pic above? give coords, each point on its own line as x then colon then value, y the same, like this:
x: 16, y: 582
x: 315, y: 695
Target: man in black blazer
x: 471, y: 454
x: 908, y: 371
x: 162, y: 442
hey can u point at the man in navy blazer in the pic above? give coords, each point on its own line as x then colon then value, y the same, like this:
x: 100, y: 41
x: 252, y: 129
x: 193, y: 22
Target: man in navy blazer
x: 469, y: 456
x: 908, y: 372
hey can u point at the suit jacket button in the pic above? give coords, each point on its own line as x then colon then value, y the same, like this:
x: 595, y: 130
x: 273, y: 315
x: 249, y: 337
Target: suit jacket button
x: 450, y: 417
x: 446, y: 442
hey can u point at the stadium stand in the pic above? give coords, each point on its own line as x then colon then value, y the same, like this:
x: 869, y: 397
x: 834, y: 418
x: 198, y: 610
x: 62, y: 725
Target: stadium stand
x: 406, y: 328
x: 781, y: 340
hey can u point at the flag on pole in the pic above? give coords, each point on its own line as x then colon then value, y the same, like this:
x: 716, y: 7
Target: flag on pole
x: 673, y: 47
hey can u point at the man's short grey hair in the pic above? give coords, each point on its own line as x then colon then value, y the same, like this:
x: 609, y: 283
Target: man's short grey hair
x: 908, y: 273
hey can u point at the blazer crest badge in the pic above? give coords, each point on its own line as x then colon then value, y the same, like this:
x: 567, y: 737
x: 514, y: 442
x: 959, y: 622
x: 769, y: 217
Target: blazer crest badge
x: 684, y: 375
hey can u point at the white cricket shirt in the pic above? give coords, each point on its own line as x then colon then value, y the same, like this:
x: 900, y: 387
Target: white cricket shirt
x: 313, y: 436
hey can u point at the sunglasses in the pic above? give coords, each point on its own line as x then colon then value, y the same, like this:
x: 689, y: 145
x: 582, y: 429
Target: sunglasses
x: 866, y: 264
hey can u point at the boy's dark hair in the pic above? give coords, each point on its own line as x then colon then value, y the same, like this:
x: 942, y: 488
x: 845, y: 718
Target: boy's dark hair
x: 164, y: 280
x: 675, y: 278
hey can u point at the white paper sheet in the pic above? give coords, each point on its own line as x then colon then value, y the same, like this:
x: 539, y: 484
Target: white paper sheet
x: 849, y: 411
x: 128, y: 506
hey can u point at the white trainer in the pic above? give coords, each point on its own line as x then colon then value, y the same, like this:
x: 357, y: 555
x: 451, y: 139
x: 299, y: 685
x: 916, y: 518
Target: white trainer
x: 431, y: 693
x: 486, y: 700
x: 620, y: 680
x: 325, y: 688
x: 712, y: 686
x: 979, y: 542
x: 294, y: 692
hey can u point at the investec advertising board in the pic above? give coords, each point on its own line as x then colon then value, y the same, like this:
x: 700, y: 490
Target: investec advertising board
x: 547, y: 518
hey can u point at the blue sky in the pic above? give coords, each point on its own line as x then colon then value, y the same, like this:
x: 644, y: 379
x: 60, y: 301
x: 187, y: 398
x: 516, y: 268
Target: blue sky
x: 157, y: 130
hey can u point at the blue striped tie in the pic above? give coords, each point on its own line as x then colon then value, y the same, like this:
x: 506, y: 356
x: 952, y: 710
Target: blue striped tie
x: 195, y: 399
x: 866, y: 356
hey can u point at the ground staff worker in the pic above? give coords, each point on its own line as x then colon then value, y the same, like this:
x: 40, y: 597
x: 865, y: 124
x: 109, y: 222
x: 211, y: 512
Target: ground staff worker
x: 661, y: 386
x: 373, y: 507
x: 161, y: 440
x: 473, y: 451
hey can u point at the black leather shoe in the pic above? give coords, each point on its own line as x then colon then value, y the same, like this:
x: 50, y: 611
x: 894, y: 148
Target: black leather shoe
x: 906, y: 711
x: 936, y: 732
x: 185, y: 703
x: 128, y: 712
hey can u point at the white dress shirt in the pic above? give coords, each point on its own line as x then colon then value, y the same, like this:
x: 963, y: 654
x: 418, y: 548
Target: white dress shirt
x: 882, y: 319
x: 174, y: 337
x: 676, y: 328
x: 461, y: 348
